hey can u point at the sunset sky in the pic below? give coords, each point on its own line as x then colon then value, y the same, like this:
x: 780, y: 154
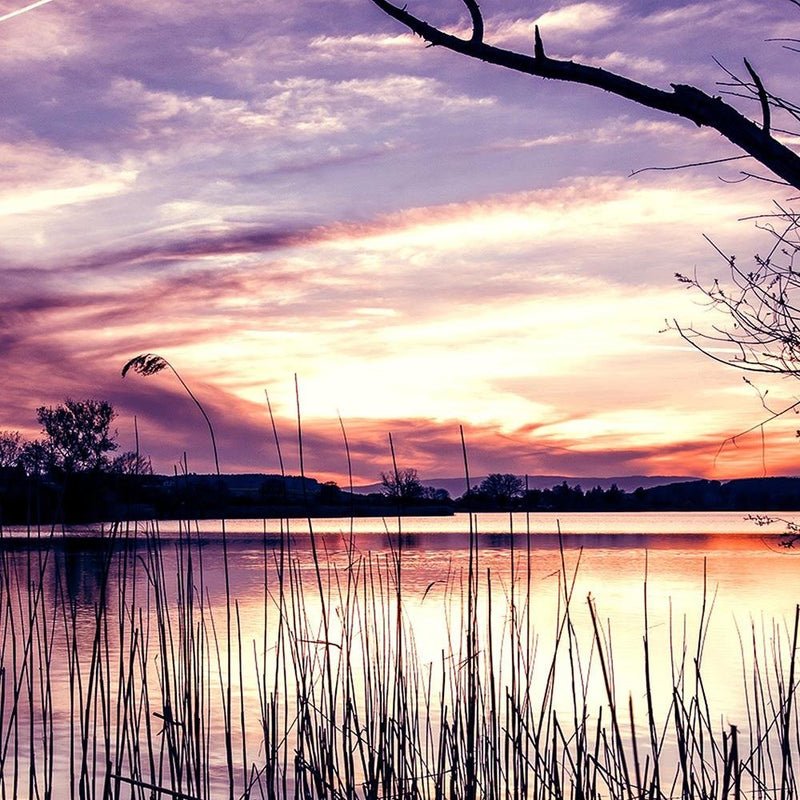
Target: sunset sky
x: 255, y: 190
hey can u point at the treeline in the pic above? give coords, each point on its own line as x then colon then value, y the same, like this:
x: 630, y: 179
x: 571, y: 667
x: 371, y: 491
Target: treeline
x: 507, y: 492
x: 749, y: 494
x: 95, y: 496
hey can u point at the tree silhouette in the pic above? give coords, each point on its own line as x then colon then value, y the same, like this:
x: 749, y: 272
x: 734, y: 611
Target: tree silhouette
x: 402, y: 485
x: 11, y: 444
x: 501, y: 489
x: 131, y: 463
x: 78, y: 435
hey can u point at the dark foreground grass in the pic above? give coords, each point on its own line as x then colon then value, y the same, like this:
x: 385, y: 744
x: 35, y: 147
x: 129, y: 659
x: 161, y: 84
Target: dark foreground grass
x: 128, y: 670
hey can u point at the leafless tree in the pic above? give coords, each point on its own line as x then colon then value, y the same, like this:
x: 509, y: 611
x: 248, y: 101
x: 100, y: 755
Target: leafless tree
x: 759, y: 326
x: 757, y: 139
x: 404, y: 484
x: 756, y: 326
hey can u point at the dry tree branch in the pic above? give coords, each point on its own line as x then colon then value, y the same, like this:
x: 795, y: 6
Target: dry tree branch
x: 760, y: 304
x: 684, y: 101
x: 762, y: 96
x: 692, y: 165
x: 477, y: 20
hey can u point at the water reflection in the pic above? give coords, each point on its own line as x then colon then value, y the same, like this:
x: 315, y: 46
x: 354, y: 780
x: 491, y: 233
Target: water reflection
x: 743, y: 563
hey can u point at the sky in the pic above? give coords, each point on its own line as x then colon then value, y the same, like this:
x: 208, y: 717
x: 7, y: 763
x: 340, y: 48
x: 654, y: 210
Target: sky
x: 260, y: 190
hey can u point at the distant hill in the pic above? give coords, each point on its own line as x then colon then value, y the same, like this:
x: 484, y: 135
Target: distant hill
x: 628, y: 483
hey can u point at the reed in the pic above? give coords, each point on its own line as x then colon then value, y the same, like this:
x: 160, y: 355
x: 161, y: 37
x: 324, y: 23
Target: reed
x: 118, y: 682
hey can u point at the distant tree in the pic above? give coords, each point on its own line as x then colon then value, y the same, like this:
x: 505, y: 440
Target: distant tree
x: 435, y: 495
x: 532, y: 499
x: 594, y: 497
x: 78, y: 434
x: 329, y: 493
x: 563, y: 497
x: 501, y: 489
x: 131, y: 463
x: 614, y: 497
x: 404, y: 485
x: 273, y: 490
x: 11, y: 445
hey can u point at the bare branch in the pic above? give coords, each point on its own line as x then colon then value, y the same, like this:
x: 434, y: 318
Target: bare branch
x: 773, y: 415
x: 693, y: 165
x: 762, y: 96
x: 538, y: 47
x: 688, y: 102
x: 747, y: 175
x: 477, y: 20
x: 760, y: 304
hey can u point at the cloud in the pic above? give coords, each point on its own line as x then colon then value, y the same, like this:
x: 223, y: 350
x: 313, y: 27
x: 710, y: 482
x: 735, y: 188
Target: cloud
x: 431, y: 446
x: 637, y: 66
x: 615, y: 130
x: 516, y: 221
x: 286, y: 110
x: 580, y: 18
x: 294, y: 300
x: 169, y: 424
x: 39, y: 177
x: 365, y: 45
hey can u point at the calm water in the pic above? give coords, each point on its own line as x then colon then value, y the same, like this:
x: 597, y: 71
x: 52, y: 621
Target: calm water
x: 743, y: 565
x: 716, y: 567
x: 738, y: 566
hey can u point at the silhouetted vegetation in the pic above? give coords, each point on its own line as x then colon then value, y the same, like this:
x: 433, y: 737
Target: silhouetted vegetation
x: 69, y: 476
x: 749, y: 494
x: 402, y: 485
x: 116, y: 496
x: 113, y: 496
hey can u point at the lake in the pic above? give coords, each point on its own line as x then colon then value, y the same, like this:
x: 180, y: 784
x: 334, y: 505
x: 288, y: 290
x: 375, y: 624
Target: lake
x: 282, y: 643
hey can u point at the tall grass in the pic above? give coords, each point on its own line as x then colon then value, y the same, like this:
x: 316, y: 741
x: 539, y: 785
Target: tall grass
x: 115, y: 681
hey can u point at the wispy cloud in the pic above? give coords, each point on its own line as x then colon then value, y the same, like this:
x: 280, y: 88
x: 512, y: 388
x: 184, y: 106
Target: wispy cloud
x: 580, y: 18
